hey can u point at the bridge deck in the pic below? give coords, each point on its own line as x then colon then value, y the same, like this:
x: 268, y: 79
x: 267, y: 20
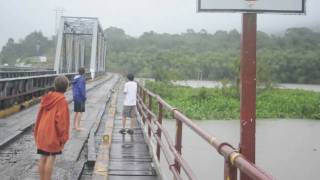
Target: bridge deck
x: 129, y: 156
x: 69, y: 165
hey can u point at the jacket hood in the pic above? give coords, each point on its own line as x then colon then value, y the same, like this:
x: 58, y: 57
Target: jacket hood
x: 76, y: 79
x: 51, y: 99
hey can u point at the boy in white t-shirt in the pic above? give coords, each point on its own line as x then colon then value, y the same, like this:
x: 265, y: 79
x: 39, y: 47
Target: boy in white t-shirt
x: 129, y: 104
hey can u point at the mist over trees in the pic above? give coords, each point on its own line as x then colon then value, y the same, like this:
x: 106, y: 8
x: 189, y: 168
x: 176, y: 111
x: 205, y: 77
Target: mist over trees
x: 34, y: 44
x: 291, y: 58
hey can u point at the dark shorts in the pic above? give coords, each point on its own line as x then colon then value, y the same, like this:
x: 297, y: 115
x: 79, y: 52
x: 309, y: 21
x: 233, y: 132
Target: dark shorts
x: 79, y: 106
x: 45, y: 153
x: 129, y: 111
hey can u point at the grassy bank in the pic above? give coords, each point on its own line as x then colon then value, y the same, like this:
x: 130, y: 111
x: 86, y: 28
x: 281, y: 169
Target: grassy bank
x: 213, y: 103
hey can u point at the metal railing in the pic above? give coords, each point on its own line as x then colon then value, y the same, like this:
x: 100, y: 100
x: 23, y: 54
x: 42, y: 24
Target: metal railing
x: 17, y: 90
x: 13, y: 74
x: 233, y: 160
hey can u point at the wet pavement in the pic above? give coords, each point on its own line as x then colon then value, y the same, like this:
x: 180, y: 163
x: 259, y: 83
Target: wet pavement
x: 129, y: 156
x: 70, y: 164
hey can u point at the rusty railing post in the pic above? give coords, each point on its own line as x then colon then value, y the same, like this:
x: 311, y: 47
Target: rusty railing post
x: 178, y: 142
x: 230, y: 171
x: 160, y: 108
x: 144, y: 96
x: 143, y: 102
x: 149, y: 114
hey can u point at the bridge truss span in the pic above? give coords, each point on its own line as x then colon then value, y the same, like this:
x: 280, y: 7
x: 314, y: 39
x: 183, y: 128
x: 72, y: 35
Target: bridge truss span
x: 80, y: 43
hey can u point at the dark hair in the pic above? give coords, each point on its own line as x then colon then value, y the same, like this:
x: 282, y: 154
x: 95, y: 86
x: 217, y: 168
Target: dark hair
x: 130, y: 77
x: 81, y: 71
x: 61, y: 83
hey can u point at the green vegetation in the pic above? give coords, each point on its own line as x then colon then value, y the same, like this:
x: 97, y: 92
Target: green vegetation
x: 214, y: 103
x: 35, y: 44
x: 293, y: 57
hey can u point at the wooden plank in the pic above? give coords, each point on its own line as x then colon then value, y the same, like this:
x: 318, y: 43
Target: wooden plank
x: 129, y: 156
x: 92, y: 156
x: 101, y: 166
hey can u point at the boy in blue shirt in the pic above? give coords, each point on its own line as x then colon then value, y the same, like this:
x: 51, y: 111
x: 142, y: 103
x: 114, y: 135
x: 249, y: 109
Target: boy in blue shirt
x: 79, y: 96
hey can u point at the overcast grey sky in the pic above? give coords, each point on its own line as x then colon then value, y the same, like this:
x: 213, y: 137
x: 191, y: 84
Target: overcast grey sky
x: 20, y: 17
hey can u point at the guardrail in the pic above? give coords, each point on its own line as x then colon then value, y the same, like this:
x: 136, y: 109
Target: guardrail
x: 18, y: 90
x: 172, y: 150
x: 13, y: 74
x: 13, y: 68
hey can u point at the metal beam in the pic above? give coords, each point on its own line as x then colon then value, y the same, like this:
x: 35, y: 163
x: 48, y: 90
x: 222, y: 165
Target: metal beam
x: 93, y: 59
x: 59, y: 46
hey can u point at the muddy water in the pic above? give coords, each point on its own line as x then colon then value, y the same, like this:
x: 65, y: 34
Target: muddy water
x: 288, y: 149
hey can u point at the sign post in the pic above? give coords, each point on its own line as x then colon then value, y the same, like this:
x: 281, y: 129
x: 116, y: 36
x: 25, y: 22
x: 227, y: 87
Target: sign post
x: 248, y: 88
x: 249, y: 8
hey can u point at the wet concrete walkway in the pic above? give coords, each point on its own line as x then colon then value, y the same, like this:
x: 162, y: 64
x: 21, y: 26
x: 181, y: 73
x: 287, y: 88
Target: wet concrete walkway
x: 17, y: 123
x: 68, y: 165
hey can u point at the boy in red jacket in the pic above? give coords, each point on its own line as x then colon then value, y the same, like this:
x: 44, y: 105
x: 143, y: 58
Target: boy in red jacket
x: 51, y: 129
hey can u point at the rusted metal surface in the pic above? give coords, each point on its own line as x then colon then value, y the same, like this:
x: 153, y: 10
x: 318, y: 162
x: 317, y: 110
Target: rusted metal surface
x: 13, y: 74
x: 248, y: 89
x: 230, y: 171
x: 233, y: 159
x: 160, y: 116
x: 149, y: 116
x: 172, y: 154
x: 178, y: 142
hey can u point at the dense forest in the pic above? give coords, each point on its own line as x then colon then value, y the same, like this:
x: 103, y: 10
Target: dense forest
x: 293, y: 57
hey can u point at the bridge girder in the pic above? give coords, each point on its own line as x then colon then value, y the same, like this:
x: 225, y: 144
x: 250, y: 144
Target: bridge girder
x: 80, y: 43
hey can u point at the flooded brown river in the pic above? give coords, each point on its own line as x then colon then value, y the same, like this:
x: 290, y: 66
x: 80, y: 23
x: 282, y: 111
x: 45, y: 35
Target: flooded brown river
x: 287, y: 149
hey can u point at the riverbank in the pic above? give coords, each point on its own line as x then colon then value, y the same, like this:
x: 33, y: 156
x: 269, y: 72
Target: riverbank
x: 224, y: 103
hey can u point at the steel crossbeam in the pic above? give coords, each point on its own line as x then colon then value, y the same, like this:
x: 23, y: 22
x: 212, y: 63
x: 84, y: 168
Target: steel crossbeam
x: 80, y: 43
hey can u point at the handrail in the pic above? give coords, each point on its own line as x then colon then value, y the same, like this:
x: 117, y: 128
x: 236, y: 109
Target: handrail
x: 180, y: 160
x: 233, y: 159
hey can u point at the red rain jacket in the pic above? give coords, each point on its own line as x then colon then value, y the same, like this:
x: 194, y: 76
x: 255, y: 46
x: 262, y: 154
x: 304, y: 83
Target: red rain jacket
x: 51, y: 130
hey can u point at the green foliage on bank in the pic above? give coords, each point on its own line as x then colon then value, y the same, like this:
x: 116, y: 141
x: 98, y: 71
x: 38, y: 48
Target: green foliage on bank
x: 291, y: 57
x: 215, y: 103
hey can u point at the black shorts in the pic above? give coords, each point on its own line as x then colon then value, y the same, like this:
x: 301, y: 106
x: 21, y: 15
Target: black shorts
x: 45, y: 153
x: 79, y: 106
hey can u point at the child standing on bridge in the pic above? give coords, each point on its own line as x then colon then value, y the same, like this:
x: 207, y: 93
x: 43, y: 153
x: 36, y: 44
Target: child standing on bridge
x: 51, y: 129
x: 79, y: 96
x: 129, y: 104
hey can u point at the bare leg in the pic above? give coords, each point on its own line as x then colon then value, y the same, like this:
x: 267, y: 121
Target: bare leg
x: 123, y: 122
x: 49, y: 167
x: 75, y: 124
x: 42, y: 162
x: 78, y: 120
x: 133, y: 117
x: 133, y: 122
